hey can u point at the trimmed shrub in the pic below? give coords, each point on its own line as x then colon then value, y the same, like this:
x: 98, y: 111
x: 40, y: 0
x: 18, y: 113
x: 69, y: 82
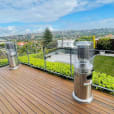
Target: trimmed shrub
x: 3, y: 62
x: 104, y: 44
x: 103, y: 80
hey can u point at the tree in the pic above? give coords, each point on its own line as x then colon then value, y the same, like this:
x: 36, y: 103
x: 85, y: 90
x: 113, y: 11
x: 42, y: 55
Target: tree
x: 47, y: 37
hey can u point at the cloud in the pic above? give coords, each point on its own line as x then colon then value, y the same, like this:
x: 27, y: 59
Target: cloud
x: 105, y: 1
x: 34, y: 10
x: 43, y: 10
x: 14, y: 30
x: 31, y: 11
x: 10, y: 30
x: 104, y: 23
x: 84, y: 5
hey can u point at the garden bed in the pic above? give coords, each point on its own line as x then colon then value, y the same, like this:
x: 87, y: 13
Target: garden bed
x: 101, y: 79
x: 3, y: 62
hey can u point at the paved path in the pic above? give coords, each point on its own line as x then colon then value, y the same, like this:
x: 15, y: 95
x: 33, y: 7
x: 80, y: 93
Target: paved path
x: 65, y: 58
x: 111, y: 55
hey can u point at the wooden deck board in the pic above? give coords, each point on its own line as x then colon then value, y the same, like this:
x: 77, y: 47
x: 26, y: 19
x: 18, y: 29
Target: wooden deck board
x: 28, y: 90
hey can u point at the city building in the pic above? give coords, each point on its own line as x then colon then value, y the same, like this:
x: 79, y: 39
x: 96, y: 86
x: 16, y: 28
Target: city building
x: 65, y: 43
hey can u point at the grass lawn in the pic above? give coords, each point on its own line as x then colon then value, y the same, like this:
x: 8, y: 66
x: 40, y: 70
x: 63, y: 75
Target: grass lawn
x: 104, y: 64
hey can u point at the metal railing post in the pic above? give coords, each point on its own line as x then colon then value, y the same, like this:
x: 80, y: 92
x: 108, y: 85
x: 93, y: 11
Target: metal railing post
x: 16, y: 52
x: 71, y: 61
x: 28, y: 57
x: 44, y: 58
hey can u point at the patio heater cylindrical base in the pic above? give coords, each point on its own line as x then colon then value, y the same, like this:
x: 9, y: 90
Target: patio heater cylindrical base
x: 14, y: 68
x: 86, y: 101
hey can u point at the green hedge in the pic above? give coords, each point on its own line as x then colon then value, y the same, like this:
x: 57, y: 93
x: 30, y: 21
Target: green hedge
x: 103, y: 80
x: 58, y: 67
x: 3, y: 62
x: 104, y: 44
x: 100, y: 79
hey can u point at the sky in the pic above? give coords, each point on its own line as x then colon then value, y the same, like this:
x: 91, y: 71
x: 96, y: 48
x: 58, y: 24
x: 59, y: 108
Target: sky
x: 32, y: 16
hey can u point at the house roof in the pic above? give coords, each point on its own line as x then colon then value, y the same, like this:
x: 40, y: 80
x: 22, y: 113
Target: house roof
x: 21, y: 43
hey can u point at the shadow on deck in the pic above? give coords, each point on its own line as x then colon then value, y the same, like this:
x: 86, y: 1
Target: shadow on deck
x: 33, y: 91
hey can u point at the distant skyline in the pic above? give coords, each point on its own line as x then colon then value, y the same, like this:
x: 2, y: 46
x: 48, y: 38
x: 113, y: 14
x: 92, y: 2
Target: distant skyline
x: 31, y: 16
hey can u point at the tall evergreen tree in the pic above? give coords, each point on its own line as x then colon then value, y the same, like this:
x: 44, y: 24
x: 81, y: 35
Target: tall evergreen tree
x: 47, y: 38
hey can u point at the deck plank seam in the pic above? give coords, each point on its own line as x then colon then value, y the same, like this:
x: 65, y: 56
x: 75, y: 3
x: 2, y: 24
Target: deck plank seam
x: 48, y: 104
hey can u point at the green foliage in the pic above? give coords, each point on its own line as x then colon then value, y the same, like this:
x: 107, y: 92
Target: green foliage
x: 51, y: 50
x: 100, y: 79
x: 104, y: 44
x: 3, y: 62
x: 104, y: 64
x: 2, y: 45
x: 103, y: 80
x: 38, y: 55
x: 85, y: 38
x: 47, y: 37
x: 58, y: 67
x: 22, y: 50
x: 30, y: 47
x: 52, y: 45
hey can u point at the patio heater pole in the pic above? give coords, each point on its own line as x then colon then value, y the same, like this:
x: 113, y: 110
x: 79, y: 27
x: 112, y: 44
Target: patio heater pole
x: 83, y: 74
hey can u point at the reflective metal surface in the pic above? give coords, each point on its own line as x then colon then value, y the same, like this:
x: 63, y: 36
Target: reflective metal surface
x: 12, y: 55
x: 82, y: 86
x: 83, y: 74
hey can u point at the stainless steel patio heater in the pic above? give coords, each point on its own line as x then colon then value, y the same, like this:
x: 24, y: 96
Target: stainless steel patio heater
x: 83, y: 73
x: 12, y: 55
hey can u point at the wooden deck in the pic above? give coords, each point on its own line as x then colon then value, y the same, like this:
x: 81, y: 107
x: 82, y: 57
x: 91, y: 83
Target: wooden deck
x: 28, y: 90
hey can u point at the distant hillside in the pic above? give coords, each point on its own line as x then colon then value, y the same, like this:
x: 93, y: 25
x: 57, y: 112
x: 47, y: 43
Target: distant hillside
x: 66, y: 34
x: 76, y: 34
